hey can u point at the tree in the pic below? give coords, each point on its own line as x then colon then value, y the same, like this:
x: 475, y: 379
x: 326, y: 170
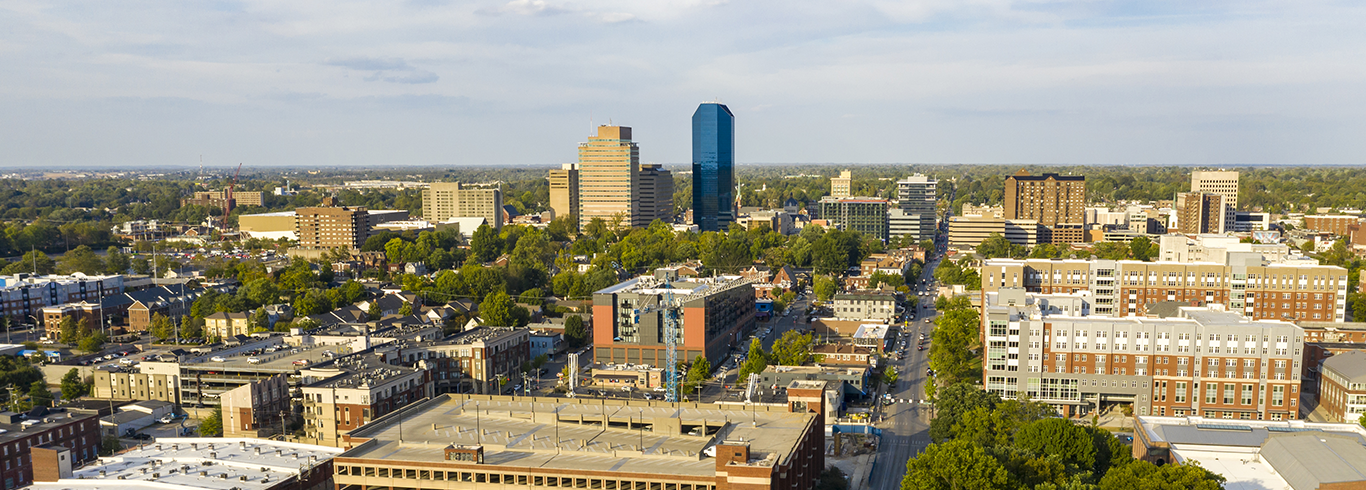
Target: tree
x: 406, y: 309
x: 213, y: 424
x: 997, y: 246
x: 575, y: 333
x: 1142, y: 248
x: 952, y: 402
x: 93, y: 342
x: 81, y: 259
x: 1045, y: 251
x: 792, y: 349
x: 161, y: 326
x: 832, y: 479
x: 496, y: 310
x: 72, y: 385
x: 756, y: 361
x: 259, y: 292
x: 115, y: 261
x: 1059, y: 438
x: 110, y: 445
x: 697, y: 374
x: 374, y: 313
x: 39, y: 395
x: 32, y: 261
x: 533, y: 296
x: 485, y: 244
x: 1142, y: 475
x: 69, y: 330
x: 824, y: 288
x: 955, y: 465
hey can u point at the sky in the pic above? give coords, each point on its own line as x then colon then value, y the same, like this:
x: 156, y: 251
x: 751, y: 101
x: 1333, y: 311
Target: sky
x: 523, y: 82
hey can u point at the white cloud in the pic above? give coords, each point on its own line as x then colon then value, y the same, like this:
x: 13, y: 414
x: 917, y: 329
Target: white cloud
x: 973, y: 80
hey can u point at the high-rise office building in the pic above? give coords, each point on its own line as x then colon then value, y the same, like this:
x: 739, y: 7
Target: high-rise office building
x: 445, y: 200
x: 609, y: 172
x: 865, y: 215
x: 1200, y: 212
x: 1056, y: 202
x: 713, y: 167
x: 1225, y: 184
x: 564, y: 191
x: 842, y: 186
x: 654, y: 195
x: 914, y: 213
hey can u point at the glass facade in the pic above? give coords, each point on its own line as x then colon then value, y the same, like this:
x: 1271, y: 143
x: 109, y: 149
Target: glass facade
x: 713, y: 167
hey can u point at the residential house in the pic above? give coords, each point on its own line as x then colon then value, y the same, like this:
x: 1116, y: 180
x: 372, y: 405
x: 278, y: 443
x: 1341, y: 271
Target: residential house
x: 223, y: 324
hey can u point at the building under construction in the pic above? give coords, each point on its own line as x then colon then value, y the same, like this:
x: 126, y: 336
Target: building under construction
x: 629, y: 319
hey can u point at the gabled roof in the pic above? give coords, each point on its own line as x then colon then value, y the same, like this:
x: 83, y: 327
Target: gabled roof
x: 1310, y: 460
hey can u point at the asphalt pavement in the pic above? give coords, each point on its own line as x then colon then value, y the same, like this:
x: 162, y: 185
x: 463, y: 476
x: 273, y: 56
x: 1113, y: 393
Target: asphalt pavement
x: 906, y: 422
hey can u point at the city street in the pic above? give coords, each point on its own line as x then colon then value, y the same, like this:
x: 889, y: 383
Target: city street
x: 906, y: 423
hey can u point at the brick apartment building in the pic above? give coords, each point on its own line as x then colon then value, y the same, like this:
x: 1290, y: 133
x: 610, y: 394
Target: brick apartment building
x: 1198, y: 362
x: 629, y: 325
x: 1122, y: 288
x: 23, y: 439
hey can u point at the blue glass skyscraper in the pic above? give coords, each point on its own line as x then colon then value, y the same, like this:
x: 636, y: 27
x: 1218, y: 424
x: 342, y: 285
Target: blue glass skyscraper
x: 713, y: 167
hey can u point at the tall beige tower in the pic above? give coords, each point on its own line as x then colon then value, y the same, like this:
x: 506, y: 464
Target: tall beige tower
x: 1222, y: 182
x: 609, y: 174
x: 445, y: 200
x: 843, y: 185
x: 564, y: 191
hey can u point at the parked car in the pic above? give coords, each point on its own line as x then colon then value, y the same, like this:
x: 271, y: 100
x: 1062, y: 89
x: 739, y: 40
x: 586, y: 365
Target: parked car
x: 168, y: 418
x: 218, y: 359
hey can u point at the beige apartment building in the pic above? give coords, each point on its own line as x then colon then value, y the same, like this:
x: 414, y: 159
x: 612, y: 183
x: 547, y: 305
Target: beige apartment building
x: 1056, y: 202
x: 842, y: 186
x: 326, y: 228
x: 445, y: 200
x: 564, y: 190
x: 223, y: 324
x: 1127, y: 288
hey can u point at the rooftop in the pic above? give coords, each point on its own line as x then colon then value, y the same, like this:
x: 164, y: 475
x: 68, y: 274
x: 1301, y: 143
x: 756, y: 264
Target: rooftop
x: 216, y: 464
x: 568, y: 434
x: 358, y: 371
x: 1350, y: 365
x: 11, y: 432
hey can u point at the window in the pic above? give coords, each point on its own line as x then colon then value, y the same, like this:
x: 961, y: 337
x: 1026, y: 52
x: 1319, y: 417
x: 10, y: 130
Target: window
x: 1211, y: 393
x: 1277, y: 396
x: 1247, y: 394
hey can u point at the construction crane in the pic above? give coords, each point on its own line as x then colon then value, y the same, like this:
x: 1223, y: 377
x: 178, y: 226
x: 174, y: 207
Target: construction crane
x: 227, y: 198
x: 671, y: 333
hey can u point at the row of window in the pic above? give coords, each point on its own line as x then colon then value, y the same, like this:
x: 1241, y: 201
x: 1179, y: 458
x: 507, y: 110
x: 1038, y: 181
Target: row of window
x: 511, y: 479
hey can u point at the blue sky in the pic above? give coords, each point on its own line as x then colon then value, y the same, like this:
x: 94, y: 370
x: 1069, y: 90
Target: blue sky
x: 432, y: 82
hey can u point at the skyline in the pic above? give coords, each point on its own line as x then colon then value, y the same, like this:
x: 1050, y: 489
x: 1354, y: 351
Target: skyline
x: 436, y: 83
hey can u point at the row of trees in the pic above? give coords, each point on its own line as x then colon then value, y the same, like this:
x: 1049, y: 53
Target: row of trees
x: 997, y: 246
x: 984, y: 442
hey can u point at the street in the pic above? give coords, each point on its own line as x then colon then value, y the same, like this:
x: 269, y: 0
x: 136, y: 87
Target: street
x: 906, y: 423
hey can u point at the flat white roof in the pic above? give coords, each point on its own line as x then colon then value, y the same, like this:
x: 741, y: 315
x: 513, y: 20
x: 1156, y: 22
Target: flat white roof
x: 177, y: 463
x: 1244, y: 470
